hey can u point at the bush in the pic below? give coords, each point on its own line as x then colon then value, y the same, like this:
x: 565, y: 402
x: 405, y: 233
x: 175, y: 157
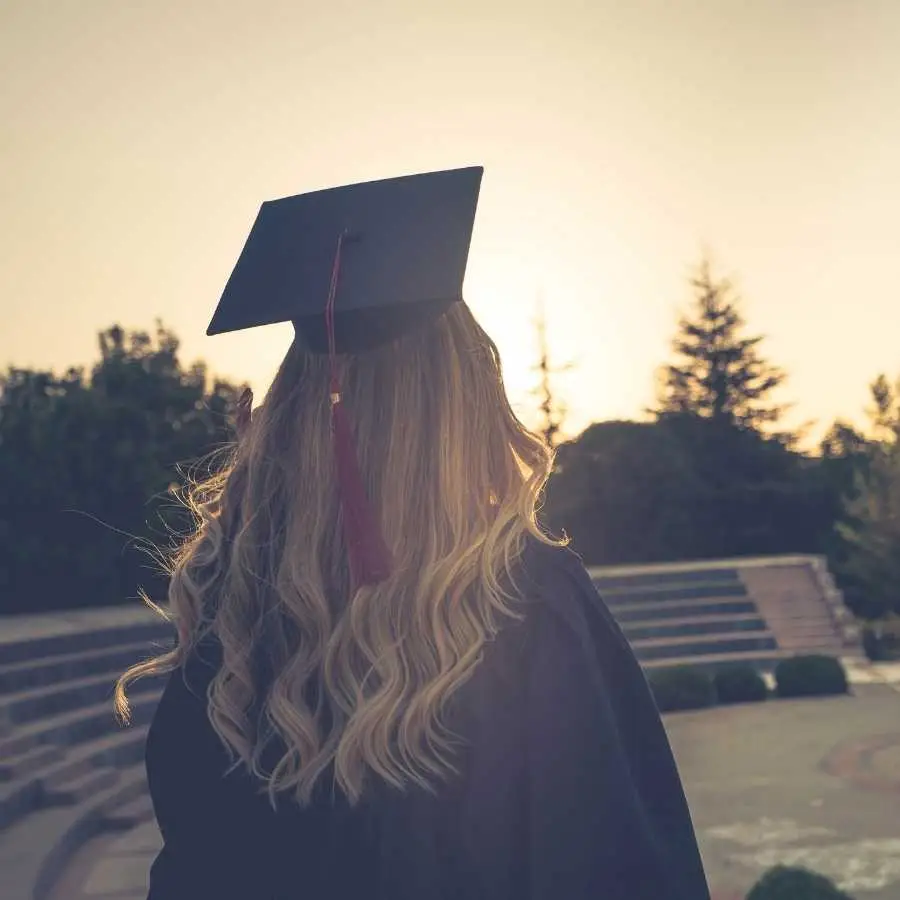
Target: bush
x: 810, y: 676
x: 682, y: 687
x: 881, y: 639
x: 740, y: 684
x: 873, y: 646
x: 788, y: 883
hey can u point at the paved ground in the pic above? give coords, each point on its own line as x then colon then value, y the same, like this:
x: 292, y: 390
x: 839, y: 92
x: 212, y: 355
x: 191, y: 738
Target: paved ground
x: 811, y: 782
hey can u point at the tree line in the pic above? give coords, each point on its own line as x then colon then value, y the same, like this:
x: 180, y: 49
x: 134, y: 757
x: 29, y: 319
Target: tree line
x: 91, y: 461
x: 713, y: 472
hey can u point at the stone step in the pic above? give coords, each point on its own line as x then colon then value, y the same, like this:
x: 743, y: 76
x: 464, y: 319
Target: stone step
x: 17, y: 799
x: 765, y: 661
x: 33, y: 760
x: 694, y: 626
x: 79, y: 639
x: 42, y: 702
x: 82, y: 787
x: 811, y: 629
x: 35, y: 851
x: 35, y: 673
x: 623, y: 597
x: 814, y: 616
x: 121, y: 750
x: 118, y: 750
x: 615, y: 581
x: 811, y: 645
x: 667, y: 648
x: 674, y: 609
x: 75, y: 726
x: 129, y: 815
x: 24, y: 848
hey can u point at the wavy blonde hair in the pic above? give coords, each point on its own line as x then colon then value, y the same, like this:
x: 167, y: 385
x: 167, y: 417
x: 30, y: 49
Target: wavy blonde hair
x: 358, y: 680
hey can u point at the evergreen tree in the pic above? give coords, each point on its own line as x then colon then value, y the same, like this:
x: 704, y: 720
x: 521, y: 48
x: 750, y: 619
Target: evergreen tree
x: 552, y: 409
x: 870, y: 525
x: 718, y: 372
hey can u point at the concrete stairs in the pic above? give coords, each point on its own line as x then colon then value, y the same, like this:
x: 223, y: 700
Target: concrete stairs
x: 68, y: 771
x: 718, y: 613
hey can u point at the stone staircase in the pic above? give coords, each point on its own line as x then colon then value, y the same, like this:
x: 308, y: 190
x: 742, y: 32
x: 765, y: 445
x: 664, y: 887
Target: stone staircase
x: 68, y: 771
x: 717, y: 613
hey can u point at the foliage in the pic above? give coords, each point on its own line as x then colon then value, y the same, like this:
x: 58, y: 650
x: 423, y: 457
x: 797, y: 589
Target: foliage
x: 707, y: 478
x: 740, y: 684
x: 623, y: 491
x: 682, y: 688
x: 87, y: 464
x: 552, y: 409
x: 717, y: 372
x: 792, y: 883
x: 869, y: 526
x: 881, y: 639
x: 686, y: 488
x: 810, y: 676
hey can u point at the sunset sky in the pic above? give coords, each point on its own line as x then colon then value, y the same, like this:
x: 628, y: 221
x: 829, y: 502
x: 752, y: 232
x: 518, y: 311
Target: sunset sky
x: 619, y: 139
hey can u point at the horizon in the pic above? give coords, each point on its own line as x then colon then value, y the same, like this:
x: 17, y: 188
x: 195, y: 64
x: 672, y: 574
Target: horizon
x: 618, y: 144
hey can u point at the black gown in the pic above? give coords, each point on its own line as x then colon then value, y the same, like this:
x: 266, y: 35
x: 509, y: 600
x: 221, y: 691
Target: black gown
x: 567, y: 788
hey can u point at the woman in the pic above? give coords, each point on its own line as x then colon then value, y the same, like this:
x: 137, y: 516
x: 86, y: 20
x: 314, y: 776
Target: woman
x: 453, y: 714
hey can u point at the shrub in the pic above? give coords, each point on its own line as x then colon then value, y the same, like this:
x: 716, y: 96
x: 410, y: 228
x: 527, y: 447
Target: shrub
x: 682, y: 687
x: 881, y: 639
x: 740, y: 684
x: 810, y: 676
x: 788, y: 883
x: 873, y: 646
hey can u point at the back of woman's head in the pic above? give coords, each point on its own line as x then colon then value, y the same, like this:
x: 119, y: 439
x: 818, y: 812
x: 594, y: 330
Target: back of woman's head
x: 357, y: 680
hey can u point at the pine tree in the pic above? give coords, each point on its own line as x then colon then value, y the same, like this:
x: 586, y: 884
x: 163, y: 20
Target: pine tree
x: 718, y: 373
x: 870, y: 527
x: 552, y: 409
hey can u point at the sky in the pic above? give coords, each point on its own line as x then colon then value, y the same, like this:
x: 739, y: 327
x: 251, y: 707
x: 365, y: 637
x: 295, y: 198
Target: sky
x: 620, y: 141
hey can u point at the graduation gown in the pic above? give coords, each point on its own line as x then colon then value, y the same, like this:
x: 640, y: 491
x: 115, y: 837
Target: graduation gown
x: 567, y: 788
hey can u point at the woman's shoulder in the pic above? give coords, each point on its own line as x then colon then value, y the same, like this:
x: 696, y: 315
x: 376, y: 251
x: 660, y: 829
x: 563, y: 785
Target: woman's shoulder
x: 556, y: 582
x: 553, y: 563
x: 564, y: 606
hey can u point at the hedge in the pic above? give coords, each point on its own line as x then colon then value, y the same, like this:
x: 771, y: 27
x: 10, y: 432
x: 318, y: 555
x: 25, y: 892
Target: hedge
x: 681, y: 688
x: 740, y: 684
x: 810, y: 676
x: 791, y: 883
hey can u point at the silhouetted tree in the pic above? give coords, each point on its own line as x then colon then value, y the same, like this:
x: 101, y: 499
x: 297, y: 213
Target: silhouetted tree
x: 718, y: 372
x: 869, y: 529
x: 636, y: 492
x: 86, y: 467
x: 552, y: 409
x: 623, y: 492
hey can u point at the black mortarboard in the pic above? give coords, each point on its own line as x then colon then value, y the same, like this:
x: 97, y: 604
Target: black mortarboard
x: 403, y: 259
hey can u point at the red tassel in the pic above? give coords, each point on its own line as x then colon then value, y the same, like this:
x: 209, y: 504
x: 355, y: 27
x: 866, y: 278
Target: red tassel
x: 368, y: 553
x: 370, y: 560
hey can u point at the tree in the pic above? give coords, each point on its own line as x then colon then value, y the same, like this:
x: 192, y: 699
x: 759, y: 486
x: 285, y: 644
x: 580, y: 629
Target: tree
x: 718, y: 373
x: 623, y: 492
x: 870, y: 525
x: 87, y: 465
x: 642, y: 492
x: 552, y: 410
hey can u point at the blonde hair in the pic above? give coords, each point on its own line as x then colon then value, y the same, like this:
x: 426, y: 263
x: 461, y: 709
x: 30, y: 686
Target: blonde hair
x: 358, y: 681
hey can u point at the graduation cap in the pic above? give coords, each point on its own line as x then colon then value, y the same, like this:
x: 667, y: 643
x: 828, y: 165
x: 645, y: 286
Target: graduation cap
x: 353, y: 268
x: 403, y: 249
